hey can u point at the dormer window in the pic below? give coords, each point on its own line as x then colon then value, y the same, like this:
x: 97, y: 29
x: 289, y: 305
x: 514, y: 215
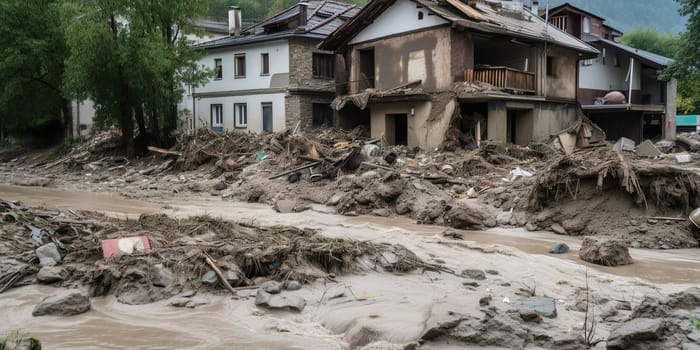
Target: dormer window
x: 587, y: 25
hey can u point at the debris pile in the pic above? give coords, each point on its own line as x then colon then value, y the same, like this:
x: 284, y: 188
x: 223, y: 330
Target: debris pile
x: 192, y: 254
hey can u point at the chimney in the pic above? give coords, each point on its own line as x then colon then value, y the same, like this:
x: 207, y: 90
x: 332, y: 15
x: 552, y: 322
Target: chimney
x: 234, y: 21
x: 303, y: 13
x: 535, y: 7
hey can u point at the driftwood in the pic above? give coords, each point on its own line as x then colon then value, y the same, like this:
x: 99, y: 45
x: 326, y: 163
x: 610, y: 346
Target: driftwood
x: 210, y: 261
x: 163, y: 151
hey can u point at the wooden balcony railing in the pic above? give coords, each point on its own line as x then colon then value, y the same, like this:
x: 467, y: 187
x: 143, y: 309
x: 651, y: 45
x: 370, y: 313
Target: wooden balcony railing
x: 503, y: 77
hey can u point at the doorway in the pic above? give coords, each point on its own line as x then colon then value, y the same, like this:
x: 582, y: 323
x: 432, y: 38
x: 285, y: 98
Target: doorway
x: 267, y: 116
x: 519, y: 126
x: 397, y: 129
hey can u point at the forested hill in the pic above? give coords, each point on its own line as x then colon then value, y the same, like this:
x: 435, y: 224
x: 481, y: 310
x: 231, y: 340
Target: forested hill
x: 625, y: 15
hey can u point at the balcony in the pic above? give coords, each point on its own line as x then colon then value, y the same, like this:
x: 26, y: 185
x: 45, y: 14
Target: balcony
x: 503, y: 77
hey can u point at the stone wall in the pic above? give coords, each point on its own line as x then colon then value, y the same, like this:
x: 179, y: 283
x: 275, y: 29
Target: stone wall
x: 301, y: 66
x: 300, y: 107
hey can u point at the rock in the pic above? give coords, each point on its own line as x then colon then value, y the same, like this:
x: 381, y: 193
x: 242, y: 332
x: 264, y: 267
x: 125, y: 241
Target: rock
x: 219, y: 185
x: 368, y: 175
x: 531, y: 227
x: 279, y: 301
x: 292, y: 285
x: 466, y: 216
x: 232, y: 277
x: 51, y: 274
x: 559, y: 248
x: 361, y: 335
x: 635, y: 331
x: 690, y: 346
x: 544, y: 306
x: 209, y: 277
x: 474, y: 274
x: 530, y: 315
x: 492, y: 272
x: 189, y: 302
x: 485, y: 301
x: 19, y: 341
x: 48, y: 254
x: 334, y: 200
x: 470, y: 284
x: 439, y: 325
x: 504, y: 218
x: 607, y: 253
x: 623, y: 305
x: 180, y: 302
x: 272, y: 287
x: 188, y: 293
x: 688, y: 299
x: 66, y: 302
x: 573, y: 226
x: 284, y: 206
x: 161, y: 276
x: 388, y: 192
x: 558, y: 229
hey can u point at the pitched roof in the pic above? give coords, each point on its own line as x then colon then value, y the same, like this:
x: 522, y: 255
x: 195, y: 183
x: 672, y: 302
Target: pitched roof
x: 652, y: 59
x: 566, y: 6
x: 323, y: 17
x: 489, y: 16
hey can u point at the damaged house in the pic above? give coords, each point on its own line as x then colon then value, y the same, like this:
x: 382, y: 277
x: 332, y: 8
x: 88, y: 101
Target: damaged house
x: 420, y: 71
x: 270, y: 76
x: 641, y: 105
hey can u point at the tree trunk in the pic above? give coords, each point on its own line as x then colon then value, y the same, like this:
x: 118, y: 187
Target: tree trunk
x: 126, y: 121
x: 66, y: 110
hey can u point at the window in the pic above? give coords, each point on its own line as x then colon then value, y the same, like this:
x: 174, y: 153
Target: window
x: 559, y: 22
x: 264, y: 64
x: 218, y: 72
x: 420, y: 15
x: 616, y: 60
x: 217, y: 117
x: 240, y: 115
x: 586, y: 25
x: 239, y: 66
x: 587, y: 62
x: 550, y: 66
x: 323, y: 66
x: 603, y: 54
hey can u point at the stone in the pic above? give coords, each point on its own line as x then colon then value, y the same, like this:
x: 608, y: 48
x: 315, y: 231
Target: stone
x: 623, y: 305
x: 530, y: 315
x: 531, y: 227
x: 48, y: 254
x: 19, y: 341
x: 279, y: 301
x: 503, y: 218
x: 219, y: 185
x: 573, y: 226
x: 606, y: 253
x: 209, y: 277
x: 51, y: 274
x: 189, y: 302
x: 470, y: 284
x: 485, y: 301
x: 66, y: 302
x: 635, y: 331
x: 687, y: 299
x: 492, y: 272
x: 161, y: 276
x: 368, y: 175
x: 474, y: 274
x: 272, y: 287
x: 690, y: 346
x: 388, y: 192
x: 558, y: 229
x: 292, y: 285
x: 284, y: 206
x: 559, y: 248
x: 544, y: 306
x: 334, y: 200
x: 188, y: 293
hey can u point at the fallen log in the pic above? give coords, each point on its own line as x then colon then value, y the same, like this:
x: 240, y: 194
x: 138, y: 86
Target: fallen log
x: 163, y: 151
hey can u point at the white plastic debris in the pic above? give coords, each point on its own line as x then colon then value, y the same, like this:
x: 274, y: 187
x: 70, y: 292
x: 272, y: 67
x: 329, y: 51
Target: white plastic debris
x: 506, y: 300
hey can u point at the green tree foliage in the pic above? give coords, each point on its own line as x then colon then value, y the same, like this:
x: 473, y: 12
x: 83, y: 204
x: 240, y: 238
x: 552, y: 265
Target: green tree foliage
x: 686, y: 67
x: 650, y: 40
x: 132, y: 57
x: 32, y: 50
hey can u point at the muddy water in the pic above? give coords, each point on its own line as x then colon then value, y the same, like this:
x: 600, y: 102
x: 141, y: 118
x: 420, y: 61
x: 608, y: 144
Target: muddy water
x: 397, y: 305
x: 659, y: 266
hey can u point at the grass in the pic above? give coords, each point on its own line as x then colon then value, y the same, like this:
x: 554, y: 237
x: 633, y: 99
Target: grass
x: 696, y: 322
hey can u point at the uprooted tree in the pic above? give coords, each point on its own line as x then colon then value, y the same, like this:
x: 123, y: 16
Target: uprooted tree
x: 132, y: 58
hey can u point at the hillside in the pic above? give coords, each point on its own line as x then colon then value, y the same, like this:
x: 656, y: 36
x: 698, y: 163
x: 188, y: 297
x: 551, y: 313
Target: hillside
x: 626, y: 15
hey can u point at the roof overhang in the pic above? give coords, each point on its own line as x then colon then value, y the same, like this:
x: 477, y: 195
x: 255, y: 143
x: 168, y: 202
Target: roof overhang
x: 625, y: 108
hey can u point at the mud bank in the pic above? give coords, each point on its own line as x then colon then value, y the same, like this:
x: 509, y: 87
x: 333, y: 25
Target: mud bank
x: 387, y: 311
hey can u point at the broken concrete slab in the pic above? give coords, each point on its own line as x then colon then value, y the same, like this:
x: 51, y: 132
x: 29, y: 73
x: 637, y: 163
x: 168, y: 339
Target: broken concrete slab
x: 544, y: 306
x: 648, y: 149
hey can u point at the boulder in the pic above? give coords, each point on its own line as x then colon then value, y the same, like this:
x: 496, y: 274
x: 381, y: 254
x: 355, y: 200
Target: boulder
x: 558, y: 229
x: 530, y: 316
x: 388, y: 192
x: 474, y: 274
x: 272, y: 287
x: 461, y: 216
x: 209, y: 277
x: 66, y: 302
x: 51, y: 274
x: 284, y: 206
x: 544, y: 306
x: 279, y: 301
x: 559, y: 248
x: 503, y: 218
x: 232, y: 277
x: 607, y: 253
x: 635, y: 331
x: 48, y: 254
x: 292, y: 285
x: 161, y: 276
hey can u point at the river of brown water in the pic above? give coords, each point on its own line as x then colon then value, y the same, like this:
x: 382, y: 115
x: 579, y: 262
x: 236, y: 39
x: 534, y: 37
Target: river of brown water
x: 235, y: 324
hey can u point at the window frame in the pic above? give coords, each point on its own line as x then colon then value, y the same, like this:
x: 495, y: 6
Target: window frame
x: 215, y: 123
x: 264, y: 64
x: 587, y: 62
x: 550, y: 68
x: 323, y: 65
x: 218, y: 69
x: 236, y: 69
x: 237, y: 115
